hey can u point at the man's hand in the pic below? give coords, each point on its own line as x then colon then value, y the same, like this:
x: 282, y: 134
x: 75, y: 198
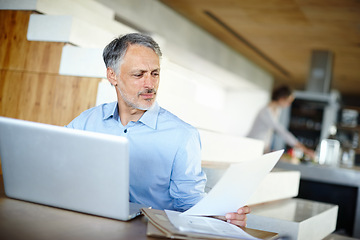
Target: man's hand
x: 238, y: 218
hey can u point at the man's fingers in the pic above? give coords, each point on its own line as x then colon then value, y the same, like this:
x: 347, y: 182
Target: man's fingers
x: 235, y: 216
x: 238, y: 218
x: 244, y: 210
x: 238, y: 223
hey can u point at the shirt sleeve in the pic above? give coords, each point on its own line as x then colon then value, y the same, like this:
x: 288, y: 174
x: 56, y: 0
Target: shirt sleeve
x: 187, y: 182
x: 288, y: 137
x: 80, y: 122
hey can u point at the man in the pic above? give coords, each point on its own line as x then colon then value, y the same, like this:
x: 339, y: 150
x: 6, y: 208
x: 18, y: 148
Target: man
x: 165, y: 163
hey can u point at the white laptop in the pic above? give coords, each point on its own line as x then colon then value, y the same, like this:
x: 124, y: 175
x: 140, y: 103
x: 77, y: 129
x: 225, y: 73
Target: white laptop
x: 71, y: 169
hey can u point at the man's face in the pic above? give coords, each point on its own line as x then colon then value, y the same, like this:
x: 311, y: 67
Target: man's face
x: 138, y: 80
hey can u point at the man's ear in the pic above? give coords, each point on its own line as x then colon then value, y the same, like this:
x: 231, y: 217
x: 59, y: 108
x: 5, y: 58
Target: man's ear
x: 111, y: 76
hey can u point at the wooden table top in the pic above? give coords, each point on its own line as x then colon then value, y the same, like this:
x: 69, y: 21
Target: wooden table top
x: 21, y: 220
x: 25, y: 220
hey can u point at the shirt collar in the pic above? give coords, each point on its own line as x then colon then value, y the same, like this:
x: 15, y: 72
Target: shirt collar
x: 149, y: 118
x: 111, y: 111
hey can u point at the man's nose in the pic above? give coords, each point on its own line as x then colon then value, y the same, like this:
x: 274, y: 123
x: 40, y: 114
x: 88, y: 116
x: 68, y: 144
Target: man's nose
x: 149, y: 81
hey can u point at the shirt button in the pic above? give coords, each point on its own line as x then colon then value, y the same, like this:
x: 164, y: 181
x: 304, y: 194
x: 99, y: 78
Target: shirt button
x: 125, y: 131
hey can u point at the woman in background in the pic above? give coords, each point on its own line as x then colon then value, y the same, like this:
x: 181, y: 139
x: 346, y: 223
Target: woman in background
x: 267, y: 121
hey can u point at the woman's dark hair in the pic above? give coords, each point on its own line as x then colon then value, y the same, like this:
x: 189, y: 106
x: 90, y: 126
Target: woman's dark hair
x: 282, y: 91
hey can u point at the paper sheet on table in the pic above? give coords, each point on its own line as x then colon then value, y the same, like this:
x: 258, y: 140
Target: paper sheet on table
x: 236, y: 186
x: 206, y: 225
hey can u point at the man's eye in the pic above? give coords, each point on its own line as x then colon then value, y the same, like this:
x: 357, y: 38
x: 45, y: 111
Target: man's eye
x: 155, y: 74
x: 138, y: 75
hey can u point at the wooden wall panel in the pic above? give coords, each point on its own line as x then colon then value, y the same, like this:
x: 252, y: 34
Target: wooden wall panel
x: 16, y: 53
x: 46, y: 98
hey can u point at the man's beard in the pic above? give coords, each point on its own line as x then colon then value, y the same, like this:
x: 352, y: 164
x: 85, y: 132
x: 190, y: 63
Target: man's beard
x: 132, y: 102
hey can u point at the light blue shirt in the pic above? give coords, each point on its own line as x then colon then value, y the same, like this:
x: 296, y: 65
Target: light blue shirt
x: 165, y: 155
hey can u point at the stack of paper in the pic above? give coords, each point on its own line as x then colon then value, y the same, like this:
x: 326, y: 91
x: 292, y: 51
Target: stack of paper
x: 160, y: 226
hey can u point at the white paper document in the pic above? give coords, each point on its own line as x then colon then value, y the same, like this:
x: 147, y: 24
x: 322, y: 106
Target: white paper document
x: 236, y: 186
x: 206, y: 225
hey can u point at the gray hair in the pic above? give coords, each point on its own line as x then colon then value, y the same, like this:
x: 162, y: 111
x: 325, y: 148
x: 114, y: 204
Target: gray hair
x: 115, y: 51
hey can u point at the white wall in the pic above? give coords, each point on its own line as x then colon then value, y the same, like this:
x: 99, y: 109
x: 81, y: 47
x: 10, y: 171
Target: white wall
x: 202, y: 101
